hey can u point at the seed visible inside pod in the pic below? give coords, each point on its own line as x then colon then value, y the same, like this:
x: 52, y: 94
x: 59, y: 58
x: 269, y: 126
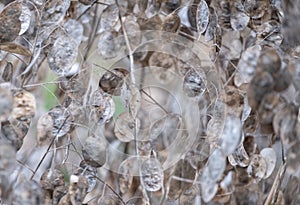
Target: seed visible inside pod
x: 111, y: 81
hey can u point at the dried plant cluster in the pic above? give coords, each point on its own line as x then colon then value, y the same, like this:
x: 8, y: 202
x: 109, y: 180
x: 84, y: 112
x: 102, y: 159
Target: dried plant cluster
x: 149, y: 102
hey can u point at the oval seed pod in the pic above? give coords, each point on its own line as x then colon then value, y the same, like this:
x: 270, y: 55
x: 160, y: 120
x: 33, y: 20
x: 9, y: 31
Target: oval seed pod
x: 7, y: 72
x: 109, y: 17
x: 109, y: 45
x: 270, y: 156
x: 125, y: 127
x: 89, y: 173
x: 94, y: 151
x: 202, y: 16
x: 10, y: 23
x: 152, y: 174
x: 62, y: 55
x: 62, y: 121
x: 261, y: 84
x: 194, y: 83
x: 25, y: 19
x: 54, y: 11
x: 112, y: 80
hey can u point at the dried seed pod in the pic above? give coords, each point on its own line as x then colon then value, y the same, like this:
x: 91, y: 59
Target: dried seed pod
x: 74, y: 29
x: 54, y: 12
x: 209, y: 187
x: 6, y: 103
x: 27, y: 192
x: 62, y: 55
x: 258, y: 167
x: 202, y: 17
x: 109, y: 46
x: 44, y: 129
x: 10, y: 25
x: 51, y: 179
x: 269, y: 61
x: 256, y: 9
x: 25, y: 19
x: 125, y: 127
x: 88, y: 172
x: 62, y: 121
x: 109, y: 17
x: 152, y: 174
x: 270, y: 156
x: 216, y: 164
x: 194, y: 83
x: 112, y: 80
x: 14, y: 132
x: 211, y: 28
x: 239, y: 157
x: 238, y: 19
x: 261, y: 84
x: 94, y: 151
x: 232, y: 134
x: 24, y: 106
x: 103, y: 107
x: 7, y: 72
x: 171, y: 23
x: 192, y: 14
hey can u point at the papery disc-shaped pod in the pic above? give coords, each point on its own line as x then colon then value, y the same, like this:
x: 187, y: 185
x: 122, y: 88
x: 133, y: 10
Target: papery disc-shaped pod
x: 269, y: 155
x: 199, y: 154
x: 152, y: 174
x: 112, y: 80
x: 94, y: 151
x: 62, y: 55
x: 6, y: 103
x: 24, y: 106
x: 62, y: 121
x: 202, y: 16
x: 74, y: 29
x: 194, y: 83
x: 238, y: 19
x: 208, y: 186
x: 54, y: 12
x: 216, y: 164
x: 103, y: 107
x: 232, y: 134
x: 10, y: 24
x: 89, y: 172
x: 109, y: 17
x: 109, y: 45
x: 239, y: 157
x: 126, y: 127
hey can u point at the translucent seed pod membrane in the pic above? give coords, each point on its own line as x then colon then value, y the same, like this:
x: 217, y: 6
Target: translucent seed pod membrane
x: 164, y: 102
